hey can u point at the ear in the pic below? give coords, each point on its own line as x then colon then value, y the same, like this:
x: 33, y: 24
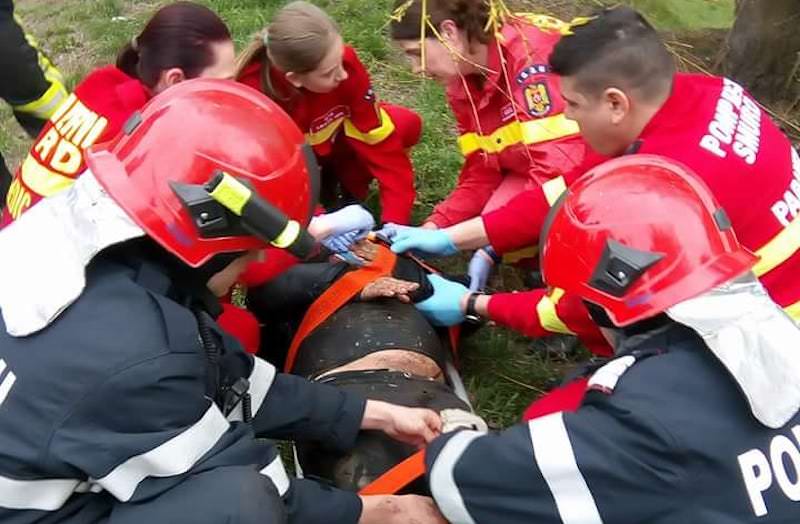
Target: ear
x: 617, y: 103
x: 450, y: 33
x: 172, y: 76
x: 294, y: 79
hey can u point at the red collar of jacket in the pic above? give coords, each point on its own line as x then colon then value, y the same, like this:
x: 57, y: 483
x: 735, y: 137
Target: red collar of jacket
x: 673, y: 112
x: 110, y: 92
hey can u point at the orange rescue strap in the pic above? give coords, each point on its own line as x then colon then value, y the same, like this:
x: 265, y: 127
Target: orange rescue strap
x: 398, y: 477
x: 338, y: 295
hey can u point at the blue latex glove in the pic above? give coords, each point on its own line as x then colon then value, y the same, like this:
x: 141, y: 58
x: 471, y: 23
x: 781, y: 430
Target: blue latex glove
x: 480, y: 268
x: 349, y: 218
x: 341, y: 243
x: 344, y: 227
x: 443, y: 308
x: 390, y: 230
x: 431, y: 241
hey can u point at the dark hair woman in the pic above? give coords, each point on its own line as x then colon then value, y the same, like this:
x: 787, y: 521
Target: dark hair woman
x: 182, y: 40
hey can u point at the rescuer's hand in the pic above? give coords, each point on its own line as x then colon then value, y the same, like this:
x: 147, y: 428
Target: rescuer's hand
x: 480, y: 268
x: 431, y: 241
x: 415, y: 426
x: 346, y: 220
x: 340, y: 229
x: 444, y: 307
x: 342, y: 243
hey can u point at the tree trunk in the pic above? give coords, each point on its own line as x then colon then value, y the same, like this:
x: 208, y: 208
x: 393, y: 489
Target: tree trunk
x: 763, y: 50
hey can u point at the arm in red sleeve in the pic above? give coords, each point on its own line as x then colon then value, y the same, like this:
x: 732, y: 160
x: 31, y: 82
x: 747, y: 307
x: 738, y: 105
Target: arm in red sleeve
x: 517, y: 311
x: 517, y: 224
x: 375, y: 132
x: 476, y: 183
x: 389, y: 164
x: 536, y: 314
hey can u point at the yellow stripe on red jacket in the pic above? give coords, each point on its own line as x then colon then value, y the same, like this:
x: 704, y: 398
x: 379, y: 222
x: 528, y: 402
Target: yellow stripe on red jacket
x: 510, y: 122
x: 349, y: 116
x: 95, y: 112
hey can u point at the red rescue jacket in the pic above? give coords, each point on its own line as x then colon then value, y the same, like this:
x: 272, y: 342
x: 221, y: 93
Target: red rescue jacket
x: 350, y: 113
x: 94, y: 113
x: 713, y: 126
x: 525, y: 133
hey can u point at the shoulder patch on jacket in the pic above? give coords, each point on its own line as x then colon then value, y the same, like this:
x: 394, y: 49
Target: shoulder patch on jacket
x: 537, y: 99
x: 605, y: 379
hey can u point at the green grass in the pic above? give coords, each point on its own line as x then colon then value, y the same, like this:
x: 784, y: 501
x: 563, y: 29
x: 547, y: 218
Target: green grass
x: 501, y: 371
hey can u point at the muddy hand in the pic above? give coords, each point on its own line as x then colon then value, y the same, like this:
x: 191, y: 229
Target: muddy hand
x: 388, y: 287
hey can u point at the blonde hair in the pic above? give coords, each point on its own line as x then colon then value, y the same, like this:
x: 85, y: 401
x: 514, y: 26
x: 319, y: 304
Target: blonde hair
x: 298, y: 38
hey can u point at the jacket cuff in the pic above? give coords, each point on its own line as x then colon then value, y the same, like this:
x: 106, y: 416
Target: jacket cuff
x: 349, y: 409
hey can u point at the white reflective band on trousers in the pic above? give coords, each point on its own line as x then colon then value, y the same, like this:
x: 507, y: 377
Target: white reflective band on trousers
x: 174, y: 457
x: 443, y: 484
x: 755, y: 340
x: 277, y: 474
x: 70, y: 227
x: 260, y: 379
x: 555, y: 458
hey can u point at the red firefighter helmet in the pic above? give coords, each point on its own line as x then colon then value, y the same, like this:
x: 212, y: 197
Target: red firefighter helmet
x: 638, y: 235
x: 211, y: 166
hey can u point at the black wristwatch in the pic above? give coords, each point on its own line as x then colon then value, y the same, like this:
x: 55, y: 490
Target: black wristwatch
x: 470, y: 313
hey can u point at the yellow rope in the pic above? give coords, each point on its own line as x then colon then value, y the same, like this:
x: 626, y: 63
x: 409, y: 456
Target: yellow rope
x: 424, y: 22
x: 499, y: 16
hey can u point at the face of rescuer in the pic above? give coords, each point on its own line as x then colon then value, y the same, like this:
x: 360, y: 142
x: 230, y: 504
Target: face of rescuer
x: 615, y: 76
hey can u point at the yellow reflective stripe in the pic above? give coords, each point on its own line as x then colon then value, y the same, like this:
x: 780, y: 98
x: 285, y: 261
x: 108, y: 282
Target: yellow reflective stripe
x: 553, y: 189
x: 548, y: 318
x: 550, y: 128
x: 231, y: 193
x: 528, y: 133
x: 41, y: 180
x: 324, y: 134
x: 520, y: 254
x: 779, y: 249
x: 44, y: 106
x: 374, y: 136
x: 546, y: 23
x: 288, y: 235
x: 793, y: 311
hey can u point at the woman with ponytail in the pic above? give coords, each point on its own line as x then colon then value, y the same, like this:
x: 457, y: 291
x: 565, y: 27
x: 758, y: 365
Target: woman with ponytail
x: 301, y: 62
x: 182, y: 40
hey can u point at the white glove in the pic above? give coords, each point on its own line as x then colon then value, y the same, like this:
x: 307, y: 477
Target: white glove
x: 352, y: 218
x: 453, y: 419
